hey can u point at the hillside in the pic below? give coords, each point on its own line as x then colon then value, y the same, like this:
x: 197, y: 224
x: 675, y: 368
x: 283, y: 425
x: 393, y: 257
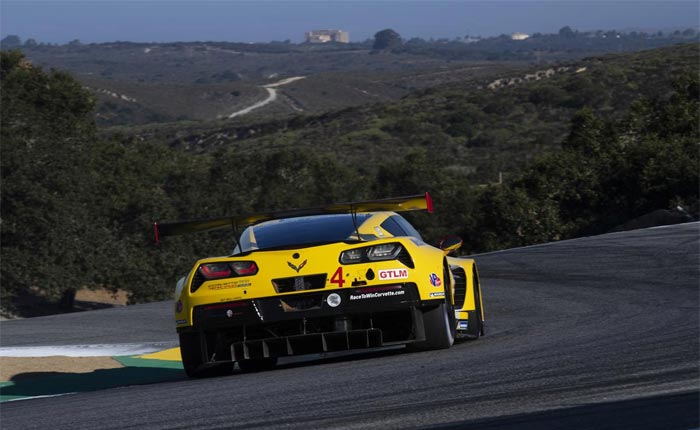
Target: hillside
x: 151, y: 83
x: 489, y: 121
x: 145, y: 83
x: 586, y: 145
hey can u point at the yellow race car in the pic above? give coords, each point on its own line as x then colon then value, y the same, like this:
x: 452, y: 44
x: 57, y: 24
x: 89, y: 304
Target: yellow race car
x: 334, y: 278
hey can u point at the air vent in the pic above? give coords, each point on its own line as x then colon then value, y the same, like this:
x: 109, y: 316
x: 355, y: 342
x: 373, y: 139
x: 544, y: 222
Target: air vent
x: 197, y: 281
x: 460, y: 286
x: 405, y: 258
x: 299, y: 283
x: 301, y: 302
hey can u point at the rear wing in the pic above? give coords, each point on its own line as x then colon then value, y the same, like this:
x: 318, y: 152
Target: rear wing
x: 394, y: 204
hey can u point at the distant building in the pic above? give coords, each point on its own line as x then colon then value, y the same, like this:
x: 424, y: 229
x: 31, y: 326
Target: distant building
x: 325, y: 36
x: 469, y: 39
x: 519, y: 36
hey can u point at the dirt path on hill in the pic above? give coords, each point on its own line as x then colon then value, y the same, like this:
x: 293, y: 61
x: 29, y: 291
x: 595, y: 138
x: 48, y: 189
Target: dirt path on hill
x: 272, y: 96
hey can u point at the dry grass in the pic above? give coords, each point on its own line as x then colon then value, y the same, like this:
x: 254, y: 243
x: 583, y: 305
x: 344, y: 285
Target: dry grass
x: 102, y: 296
x: 34, y: 303
x: 14, y: 368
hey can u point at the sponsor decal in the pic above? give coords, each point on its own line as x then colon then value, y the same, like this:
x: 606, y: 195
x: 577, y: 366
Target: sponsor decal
x: 463, y: 325
x: 297, y: 268
x: 230, y: 284
x: 435, y: 280
x: 363, y: 296
x: 178, y: 322
x: 178, y: 306
x: 393, y: 274
x: 333, y: 300
x: 437, y: 294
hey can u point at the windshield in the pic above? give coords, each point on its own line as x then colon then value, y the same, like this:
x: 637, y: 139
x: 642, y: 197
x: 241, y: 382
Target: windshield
x: 299, y: 231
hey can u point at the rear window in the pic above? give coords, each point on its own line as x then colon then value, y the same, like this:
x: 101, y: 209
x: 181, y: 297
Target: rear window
x: 300, y: 231
x: 393, y: 227
x: 407, y: 226
x: 398, y: 226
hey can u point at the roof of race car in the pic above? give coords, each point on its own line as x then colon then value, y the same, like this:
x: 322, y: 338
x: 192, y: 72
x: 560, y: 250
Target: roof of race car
x: 303, y: 230
x: 322, y: 229
x: 407, y: 203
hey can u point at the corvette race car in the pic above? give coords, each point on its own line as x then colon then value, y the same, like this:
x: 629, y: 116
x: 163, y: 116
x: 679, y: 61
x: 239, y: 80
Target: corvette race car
x: 309, y: 281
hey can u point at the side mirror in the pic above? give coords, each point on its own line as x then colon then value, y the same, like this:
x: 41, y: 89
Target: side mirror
x: 450, y: 244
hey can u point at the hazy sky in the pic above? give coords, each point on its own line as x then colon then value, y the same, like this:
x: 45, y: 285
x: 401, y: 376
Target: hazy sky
x: 59, y: 21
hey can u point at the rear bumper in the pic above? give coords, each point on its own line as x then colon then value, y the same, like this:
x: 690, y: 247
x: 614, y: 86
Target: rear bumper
x: 310, y: 322
x: 309, y: 305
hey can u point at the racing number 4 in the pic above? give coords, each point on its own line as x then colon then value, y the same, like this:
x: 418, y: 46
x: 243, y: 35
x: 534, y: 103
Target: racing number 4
x: 337, y: 277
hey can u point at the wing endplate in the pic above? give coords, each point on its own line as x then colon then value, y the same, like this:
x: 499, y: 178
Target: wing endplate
x: 394, y: 204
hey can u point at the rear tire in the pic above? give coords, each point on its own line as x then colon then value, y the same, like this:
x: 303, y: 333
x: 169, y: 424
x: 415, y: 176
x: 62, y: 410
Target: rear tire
x: 191, y: 353
x: 439, y: 323
x: 193, y: 360
x: 439, y: 328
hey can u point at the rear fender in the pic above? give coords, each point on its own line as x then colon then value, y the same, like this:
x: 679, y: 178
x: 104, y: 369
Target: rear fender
x: 466, y: 280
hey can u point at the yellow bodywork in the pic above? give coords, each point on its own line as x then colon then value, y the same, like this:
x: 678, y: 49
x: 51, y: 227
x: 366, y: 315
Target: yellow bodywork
x: 472, y: 282
x: 338, y: 277
x: 429, y: 262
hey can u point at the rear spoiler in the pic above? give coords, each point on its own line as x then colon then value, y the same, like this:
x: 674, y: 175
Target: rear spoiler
x: 395, y: 204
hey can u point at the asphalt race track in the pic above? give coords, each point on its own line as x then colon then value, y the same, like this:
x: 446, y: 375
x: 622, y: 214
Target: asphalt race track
x: 596, y: 333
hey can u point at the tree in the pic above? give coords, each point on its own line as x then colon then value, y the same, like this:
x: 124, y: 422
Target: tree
x: 611, y: 171
x: 386, y: 39
x: 585, y: 133
x: 567, y: 32
x: 508, y: 217
x: 46, y: 135
x: 76, y: 210
x: 11, y: 42
x: 420, y: 171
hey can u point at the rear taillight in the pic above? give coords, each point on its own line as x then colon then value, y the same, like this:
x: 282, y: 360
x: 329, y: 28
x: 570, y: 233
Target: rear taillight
x: 244, y: 268
x: 387, y: 251
x: 222, y: 270
x: 215, y: 270
x: 383, y: 252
